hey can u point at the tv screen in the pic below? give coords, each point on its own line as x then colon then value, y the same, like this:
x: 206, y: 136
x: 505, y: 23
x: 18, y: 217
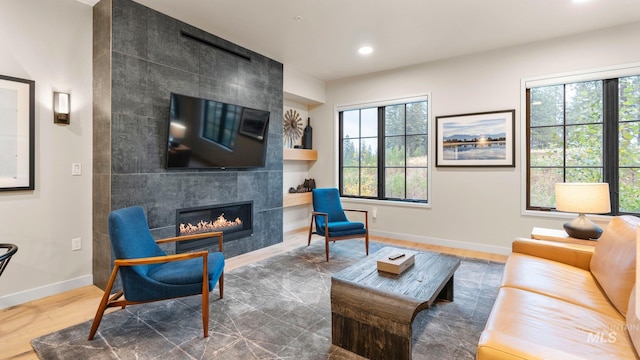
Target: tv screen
x: 208, y: 134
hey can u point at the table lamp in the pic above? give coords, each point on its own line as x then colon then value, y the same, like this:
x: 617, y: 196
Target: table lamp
x: 583, y: 198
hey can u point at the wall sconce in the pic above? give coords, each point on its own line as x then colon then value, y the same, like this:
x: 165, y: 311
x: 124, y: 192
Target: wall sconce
x: 583, y: 198
x: 61, y: 108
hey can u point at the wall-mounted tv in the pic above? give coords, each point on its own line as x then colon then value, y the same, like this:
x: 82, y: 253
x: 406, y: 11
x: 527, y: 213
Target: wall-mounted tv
x: 208, y: 134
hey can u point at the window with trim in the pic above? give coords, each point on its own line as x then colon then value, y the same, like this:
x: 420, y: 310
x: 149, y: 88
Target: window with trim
x: 383, y: 151
x: 584, y: 131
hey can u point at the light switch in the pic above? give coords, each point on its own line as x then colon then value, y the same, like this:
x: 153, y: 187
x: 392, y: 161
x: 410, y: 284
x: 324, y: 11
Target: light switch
x: 76, y: 169
x: 76, y: 244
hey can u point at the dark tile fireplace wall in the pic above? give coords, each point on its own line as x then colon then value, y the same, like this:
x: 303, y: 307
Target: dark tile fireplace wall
x: 140, y: 56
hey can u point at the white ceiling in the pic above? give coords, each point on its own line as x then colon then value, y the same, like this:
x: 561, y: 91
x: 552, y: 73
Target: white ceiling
x: 324, y: 43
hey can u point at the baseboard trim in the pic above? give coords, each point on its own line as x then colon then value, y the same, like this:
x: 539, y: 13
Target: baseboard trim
x: 492, y: 249
x: 44, y: 291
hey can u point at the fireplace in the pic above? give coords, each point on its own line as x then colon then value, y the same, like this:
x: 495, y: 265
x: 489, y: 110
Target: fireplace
x: 235, y: 220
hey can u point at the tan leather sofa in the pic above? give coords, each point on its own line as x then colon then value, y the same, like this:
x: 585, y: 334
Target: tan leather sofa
x: 564, y: 301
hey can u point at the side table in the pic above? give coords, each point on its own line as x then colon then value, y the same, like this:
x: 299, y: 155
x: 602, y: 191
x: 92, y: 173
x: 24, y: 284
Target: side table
x: 539, y: 233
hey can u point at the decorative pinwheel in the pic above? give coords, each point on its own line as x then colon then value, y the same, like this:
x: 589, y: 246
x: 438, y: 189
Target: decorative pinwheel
x: 292, y: 127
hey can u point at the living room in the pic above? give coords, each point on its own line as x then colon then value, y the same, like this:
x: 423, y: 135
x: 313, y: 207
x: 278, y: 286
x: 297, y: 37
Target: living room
x: 476, y: 209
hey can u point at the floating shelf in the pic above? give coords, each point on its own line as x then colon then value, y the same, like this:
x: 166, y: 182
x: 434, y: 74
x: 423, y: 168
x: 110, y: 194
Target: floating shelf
x: 296, y: 199
x: 300, y: 154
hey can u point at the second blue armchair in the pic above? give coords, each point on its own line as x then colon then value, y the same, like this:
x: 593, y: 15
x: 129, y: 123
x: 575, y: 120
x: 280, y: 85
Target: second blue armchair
x: 331, y: 221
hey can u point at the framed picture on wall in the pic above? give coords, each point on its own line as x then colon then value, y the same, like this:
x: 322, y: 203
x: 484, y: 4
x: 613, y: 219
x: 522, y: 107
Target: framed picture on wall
x: 17, y: 126
x: 476, y: 140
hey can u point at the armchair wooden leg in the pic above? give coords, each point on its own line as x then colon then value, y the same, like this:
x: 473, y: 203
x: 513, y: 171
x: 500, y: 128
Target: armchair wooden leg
x: 205, y: 312
x: 221, y: 285
x: 366, y: 241
x: 205, y: 296
x: 326, y: 237
x: 103, y: 303
x: 366, y: 234
x: 326, y: 246
x: 310, y: 231
x: 98, y: 318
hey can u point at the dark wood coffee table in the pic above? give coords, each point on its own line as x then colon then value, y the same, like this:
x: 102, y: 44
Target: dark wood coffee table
x: 372, y: 312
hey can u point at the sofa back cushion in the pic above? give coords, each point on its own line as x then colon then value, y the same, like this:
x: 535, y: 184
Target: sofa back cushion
x: 613, y: 263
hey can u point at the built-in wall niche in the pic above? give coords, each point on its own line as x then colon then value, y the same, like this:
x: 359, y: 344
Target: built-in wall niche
x: 296, y: 165
x: 295, y: 172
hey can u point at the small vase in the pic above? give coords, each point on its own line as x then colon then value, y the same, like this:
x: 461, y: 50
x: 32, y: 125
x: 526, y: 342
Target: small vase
x: 307, y: 135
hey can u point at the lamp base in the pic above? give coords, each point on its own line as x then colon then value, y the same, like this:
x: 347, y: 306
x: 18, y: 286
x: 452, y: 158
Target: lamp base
x: 583, y: 228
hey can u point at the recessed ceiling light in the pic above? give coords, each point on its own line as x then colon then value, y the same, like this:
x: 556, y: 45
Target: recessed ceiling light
x: 365, y: 50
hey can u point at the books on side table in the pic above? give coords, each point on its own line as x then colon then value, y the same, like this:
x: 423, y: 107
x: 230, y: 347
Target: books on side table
x: 397, y: 262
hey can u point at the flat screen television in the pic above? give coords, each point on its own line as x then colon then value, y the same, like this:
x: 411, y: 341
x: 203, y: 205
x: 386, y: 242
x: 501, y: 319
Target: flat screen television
x: 208, y: 134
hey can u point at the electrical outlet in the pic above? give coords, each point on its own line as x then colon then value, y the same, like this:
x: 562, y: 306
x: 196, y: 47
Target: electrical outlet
x: 375, y: 212
x: 76, y: 244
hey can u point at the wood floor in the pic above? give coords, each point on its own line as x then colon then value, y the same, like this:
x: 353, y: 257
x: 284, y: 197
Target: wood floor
x: 20, y: 324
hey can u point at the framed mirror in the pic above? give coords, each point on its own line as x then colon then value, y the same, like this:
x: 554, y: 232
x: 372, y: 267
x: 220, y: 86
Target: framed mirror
x: 17, y: 127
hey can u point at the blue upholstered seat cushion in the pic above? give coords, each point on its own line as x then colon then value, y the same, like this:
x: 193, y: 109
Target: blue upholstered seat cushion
x: 188, y: 271
x: 346, y: 233
x: 343, y: 228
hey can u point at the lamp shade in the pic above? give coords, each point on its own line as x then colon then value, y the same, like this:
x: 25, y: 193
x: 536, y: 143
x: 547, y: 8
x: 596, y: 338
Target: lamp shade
x: 61, y: 103
x: 583, y: 198
x: 177, y: 131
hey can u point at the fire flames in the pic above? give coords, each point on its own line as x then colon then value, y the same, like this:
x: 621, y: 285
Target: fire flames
x: 220, y: 224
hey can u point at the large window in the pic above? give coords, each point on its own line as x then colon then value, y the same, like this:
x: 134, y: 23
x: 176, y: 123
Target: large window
x: 584, y: 131
x: 384, y: 151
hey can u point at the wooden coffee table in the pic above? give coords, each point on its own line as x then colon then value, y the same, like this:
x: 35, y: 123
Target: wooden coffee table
x: 372, y: 312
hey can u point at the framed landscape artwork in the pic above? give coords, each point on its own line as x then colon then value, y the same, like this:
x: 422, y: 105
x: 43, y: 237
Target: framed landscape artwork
x: 479, y: 139
x: 17, y: 99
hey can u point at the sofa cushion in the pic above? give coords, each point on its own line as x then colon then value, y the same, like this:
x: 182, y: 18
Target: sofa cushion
x: 528, y: 325
x: 613, y: 263
x: 558, y: 280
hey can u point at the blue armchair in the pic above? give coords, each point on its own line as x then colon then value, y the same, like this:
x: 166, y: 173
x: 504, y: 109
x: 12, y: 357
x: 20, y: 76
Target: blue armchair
x: 331, y: 221
x: 149, y: 274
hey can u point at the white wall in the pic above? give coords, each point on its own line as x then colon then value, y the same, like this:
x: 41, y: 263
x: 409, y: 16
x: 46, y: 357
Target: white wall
x: 470, y: 208
x: 50, y: 41
x: 302, y: 88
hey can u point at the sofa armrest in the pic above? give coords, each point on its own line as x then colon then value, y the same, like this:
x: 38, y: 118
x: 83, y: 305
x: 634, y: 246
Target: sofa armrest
x: 566, y: 253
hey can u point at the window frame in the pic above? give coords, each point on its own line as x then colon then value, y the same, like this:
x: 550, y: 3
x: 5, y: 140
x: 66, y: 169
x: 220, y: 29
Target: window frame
x: 381, y: 136
x: 609, y: 138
